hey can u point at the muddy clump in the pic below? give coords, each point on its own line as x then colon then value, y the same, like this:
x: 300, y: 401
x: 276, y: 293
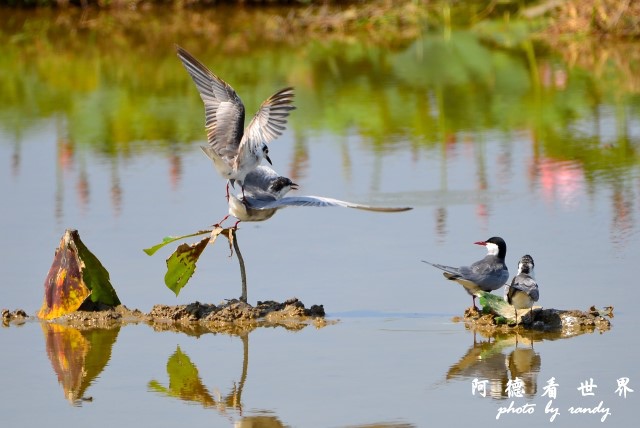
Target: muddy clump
x: 102, y: 317
x: 235, y: 316
x: 232, y: 317
x: 16, y: 317
x: 565, y: 322
x: 235, y: 311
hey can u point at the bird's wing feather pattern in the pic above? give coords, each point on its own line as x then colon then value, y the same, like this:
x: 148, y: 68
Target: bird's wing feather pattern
x: 270, y: 120
x: 224, y: 111
x: 320, y: 201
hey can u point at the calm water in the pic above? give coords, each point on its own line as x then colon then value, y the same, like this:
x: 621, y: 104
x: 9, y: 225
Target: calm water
x: 104, y: 138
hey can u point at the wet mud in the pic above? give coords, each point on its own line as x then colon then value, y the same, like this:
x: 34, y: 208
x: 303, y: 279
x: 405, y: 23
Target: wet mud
x: 16, y: 317
x: 564, y: 323
x: 233, y: 316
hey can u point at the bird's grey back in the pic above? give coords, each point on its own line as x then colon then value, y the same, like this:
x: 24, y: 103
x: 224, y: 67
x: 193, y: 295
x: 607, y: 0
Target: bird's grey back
x: 490, y: 273
x: 526, y: 283
x: 257, y: 184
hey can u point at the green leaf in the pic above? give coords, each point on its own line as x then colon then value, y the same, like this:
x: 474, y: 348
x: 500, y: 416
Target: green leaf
x: 496, y: 304
x: 182, y: 264
x: 96, y: 277
x: 169, y: 239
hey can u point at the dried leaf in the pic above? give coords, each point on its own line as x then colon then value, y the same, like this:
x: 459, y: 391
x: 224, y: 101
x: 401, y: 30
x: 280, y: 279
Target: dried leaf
x: 75, y: 275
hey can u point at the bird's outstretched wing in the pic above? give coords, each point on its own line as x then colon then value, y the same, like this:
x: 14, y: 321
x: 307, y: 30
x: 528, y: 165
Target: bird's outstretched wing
x: 270, y: 120
x: 224, y: 111
x: 319, y: 201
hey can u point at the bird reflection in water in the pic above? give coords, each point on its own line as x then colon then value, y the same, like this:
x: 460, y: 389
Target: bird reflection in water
x: 500, y: 358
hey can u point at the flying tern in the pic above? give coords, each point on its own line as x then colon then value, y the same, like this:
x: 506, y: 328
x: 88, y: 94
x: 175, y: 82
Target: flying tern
x: 235, y: 150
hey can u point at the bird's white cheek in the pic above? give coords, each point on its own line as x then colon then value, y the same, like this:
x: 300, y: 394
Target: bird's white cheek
x: 492, y: 248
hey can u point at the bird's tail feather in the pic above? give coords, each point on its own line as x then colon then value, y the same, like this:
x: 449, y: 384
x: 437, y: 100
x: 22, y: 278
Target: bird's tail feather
x: 448, y: 269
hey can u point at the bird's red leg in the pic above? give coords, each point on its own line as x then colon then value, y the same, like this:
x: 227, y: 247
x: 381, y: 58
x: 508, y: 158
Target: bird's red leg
x: 219, y: 224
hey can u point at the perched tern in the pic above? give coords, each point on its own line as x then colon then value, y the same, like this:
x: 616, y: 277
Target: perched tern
x: 487, y: 274
x: 264, y: 194
x: 235, y: 150
x: 523, y: 290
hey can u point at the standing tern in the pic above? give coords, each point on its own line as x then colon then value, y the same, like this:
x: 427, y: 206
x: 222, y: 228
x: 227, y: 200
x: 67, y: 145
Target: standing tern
x: 264, y: 194
x: 487, y: 274
x: 235, y: 150
x: 523, y: 290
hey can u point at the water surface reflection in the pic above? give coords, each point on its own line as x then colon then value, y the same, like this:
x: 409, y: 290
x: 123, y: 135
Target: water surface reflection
x: 501, y: 357
x: 436, y: 96
x: 185, y: 384
x: 494, y: 360
x: 78, y: 356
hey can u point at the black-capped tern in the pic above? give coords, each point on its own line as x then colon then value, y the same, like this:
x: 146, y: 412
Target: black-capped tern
x: 487, y: 274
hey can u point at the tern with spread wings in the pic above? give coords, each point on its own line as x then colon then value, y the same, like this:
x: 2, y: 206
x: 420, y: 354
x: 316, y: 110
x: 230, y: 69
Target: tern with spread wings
x: 235, y: 150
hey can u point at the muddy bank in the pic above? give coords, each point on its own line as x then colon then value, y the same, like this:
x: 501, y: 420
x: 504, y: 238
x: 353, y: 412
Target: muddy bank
x: 565, y: 323
x: 16, y: 317
x: 233, y: 316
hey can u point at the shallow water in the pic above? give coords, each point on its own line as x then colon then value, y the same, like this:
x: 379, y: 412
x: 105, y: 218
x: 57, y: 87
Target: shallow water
x: 479, y: 141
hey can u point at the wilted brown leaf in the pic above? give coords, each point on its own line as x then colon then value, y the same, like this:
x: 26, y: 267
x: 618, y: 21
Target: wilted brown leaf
x: 75, y: 275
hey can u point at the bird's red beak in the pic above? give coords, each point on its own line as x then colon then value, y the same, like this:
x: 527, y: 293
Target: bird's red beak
x: 480, y: 243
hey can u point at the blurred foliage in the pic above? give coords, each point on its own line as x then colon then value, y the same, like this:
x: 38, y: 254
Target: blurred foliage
x: 612, y: 18
x: 114, y: 83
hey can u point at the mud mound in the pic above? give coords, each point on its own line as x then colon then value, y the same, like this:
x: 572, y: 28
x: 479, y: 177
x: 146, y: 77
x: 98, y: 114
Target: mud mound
x: 233, y: 317
x: 16, y: 317
x: 564, y: 322
x: 235, y: 311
